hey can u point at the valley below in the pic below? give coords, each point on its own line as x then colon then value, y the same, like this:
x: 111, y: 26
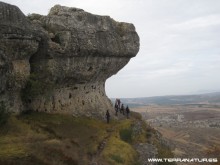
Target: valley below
x: 192, y: 130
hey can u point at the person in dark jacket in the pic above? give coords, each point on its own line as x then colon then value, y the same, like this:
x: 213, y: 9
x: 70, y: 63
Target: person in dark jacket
x: 116, y: 110
x: 107, y: 115
x: 122, y: 110
x: 127, y: 112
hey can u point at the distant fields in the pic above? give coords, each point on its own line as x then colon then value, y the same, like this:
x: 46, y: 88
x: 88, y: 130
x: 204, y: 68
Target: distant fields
x: 192, y: 130
x: 201, y: 99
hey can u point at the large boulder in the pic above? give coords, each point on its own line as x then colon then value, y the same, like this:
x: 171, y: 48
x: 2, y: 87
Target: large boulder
x: 59, y: 63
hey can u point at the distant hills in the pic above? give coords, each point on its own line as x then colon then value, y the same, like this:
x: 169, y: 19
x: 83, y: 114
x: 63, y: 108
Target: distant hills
x: 208, y: 98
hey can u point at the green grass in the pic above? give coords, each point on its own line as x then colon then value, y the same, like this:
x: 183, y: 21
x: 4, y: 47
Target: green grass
x: 61, y: 139
x: 48, y: 136
x: 119, y: 152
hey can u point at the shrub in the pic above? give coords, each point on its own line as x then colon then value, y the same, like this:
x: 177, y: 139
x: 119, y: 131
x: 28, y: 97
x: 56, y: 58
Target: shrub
x: 4, y: 114
x: 126, y: 135
x: 34, y: 16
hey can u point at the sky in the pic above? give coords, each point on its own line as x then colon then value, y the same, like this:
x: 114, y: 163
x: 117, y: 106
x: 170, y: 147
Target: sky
x: 179, y: 44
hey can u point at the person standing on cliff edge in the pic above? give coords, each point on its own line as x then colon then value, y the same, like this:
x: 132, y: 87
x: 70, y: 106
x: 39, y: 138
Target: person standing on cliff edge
x: 107, y: 115
x: 127, y: 111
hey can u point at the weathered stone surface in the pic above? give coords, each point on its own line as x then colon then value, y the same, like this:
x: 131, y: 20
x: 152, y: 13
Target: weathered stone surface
x: 60, y: 62
x: 17, y: 44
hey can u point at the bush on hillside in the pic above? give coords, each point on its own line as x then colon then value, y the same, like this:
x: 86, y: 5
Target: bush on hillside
x: 126, y: 135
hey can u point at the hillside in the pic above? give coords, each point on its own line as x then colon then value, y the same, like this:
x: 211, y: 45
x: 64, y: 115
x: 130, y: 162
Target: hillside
x: 38, y: 138
x: 209, y: 98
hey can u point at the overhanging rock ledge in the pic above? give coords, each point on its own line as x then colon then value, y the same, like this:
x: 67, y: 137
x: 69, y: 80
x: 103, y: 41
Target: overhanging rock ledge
x: 59, y: 63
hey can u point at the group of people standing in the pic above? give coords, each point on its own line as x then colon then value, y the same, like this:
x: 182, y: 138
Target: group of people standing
x: 119, y: 107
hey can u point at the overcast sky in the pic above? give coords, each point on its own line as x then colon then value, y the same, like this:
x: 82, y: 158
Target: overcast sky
x: 179, y: 43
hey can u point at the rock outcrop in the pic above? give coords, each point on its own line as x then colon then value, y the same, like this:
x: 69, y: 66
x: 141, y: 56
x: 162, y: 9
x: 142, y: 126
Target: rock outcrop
x: 59, y: 63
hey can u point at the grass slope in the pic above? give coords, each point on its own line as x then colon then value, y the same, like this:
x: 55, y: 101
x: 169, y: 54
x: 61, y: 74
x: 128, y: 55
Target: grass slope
x: 58, y: 139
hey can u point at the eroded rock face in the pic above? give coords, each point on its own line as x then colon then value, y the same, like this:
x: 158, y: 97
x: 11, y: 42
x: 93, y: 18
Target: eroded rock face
x: 17, y: 43
x: 60, y: 62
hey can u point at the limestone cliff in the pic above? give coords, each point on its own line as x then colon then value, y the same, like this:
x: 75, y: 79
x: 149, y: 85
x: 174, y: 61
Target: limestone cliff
x: 59, y: 63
